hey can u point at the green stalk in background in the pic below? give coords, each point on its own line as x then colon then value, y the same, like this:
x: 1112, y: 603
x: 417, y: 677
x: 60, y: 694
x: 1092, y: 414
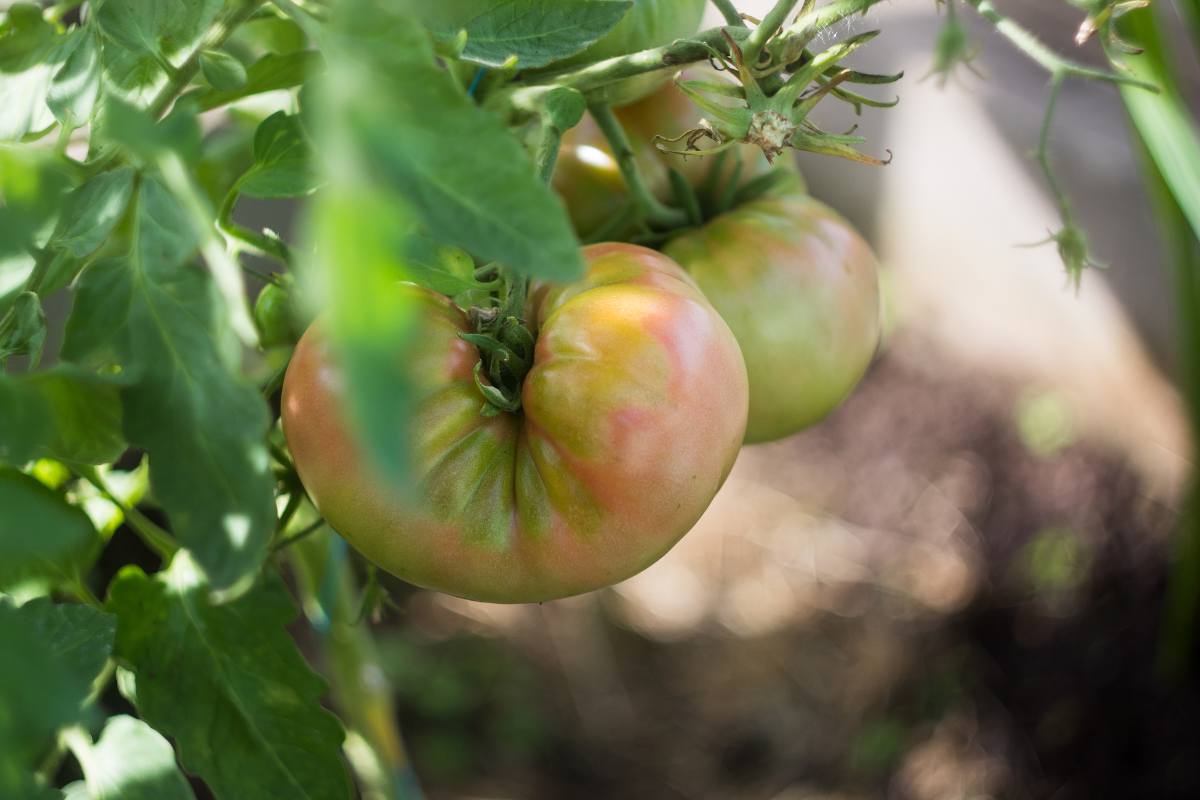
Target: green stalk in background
x: 1170, y: 144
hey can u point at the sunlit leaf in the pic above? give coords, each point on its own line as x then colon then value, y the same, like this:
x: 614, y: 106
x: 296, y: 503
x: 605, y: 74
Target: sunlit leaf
x: 228, y: 684
x: 537, y: 32
x: 160, y: 316
x: 132, y: 761
x: 40, y: 532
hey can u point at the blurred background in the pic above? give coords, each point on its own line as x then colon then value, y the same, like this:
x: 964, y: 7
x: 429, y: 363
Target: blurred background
x: 954, y: 586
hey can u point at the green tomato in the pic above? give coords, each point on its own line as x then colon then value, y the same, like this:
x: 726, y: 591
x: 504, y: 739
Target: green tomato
x: 274, y: 317
x: 800, y: 289
x: 631, y: 418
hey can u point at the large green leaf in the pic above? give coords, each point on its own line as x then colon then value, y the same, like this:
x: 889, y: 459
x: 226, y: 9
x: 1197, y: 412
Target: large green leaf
x: 52, y: 654
x: 91, y: 211
x: 139, y: 35
x: 394, y: 115
x: 89, y: 214
x: 227, y: 683
x: 161, y: 318
x: 41, y: 534
x: 73, y: 92
x: 31, y: 54
x: 1162, y: 119
x: 283, y: 164
x: 63, y: 413
x: 537, y: 32
x: 1170, y: 143
x: 270, y: 73
x: 131, y: 761
x: 80, y: 636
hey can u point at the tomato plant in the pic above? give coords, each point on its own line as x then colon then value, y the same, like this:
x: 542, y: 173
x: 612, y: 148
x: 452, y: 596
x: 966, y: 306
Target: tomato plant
x: 487, y: 407
x: 800, y: 289
x: 551, y: 501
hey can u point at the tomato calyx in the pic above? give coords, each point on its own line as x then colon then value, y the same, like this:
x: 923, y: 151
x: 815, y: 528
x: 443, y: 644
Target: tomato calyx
x: 779, y: 81
x: 505, y: 346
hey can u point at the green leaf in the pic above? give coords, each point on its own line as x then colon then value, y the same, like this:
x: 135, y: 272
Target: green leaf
x: 89, y: 214
x: 31, y: 53
x: 85, y: 411
x: 80, y: 636
x: 32, y: 184
x: 395, y: 114
x: 1166, y: 126
x: 282, y: 160
x: 103, y: 303
x: 29, y: 334
x: 73, y: 92
x: 139, y: 35
x: 132, y: 761
x: 362, y: 234
x: 222, y: 71
x: 203, y: 427
x: 270, y: 73
x: 40, y: 532
x: 538, y: 32
x: 138, y: 134
x: 43, y: 688
x: 228, y: 684
x: 445, y: 270
x: 25, y: 425
x: 62, y: 413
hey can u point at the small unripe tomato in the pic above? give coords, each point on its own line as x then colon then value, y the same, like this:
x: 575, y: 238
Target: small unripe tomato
x: 631, y: 418
x: 274, y: 317
x: 800, y: 289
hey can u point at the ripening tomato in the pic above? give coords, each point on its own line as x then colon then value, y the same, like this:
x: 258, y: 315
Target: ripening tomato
x: 800, y: 289
x: 586, y: 175
x: 631, y: 418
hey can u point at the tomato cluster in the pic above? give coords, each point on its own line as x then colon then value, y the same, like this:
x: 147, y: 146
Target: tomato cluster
x: 643, y: 381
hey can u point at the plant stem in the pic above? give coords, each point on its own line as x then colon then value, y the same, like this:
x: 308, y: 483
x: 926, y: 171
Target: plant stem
x: 1040, y: 54
x: 146, y: 529
x: 676, y: 54
x: 653, y: 209
x: 221, y: 30
x: 772, y: 22
x: 303, y: 533
x: 730, y: 13
x: 547, y: 152
x: 1043, y: 148
x: 360, y: 686
x: 258, y: 243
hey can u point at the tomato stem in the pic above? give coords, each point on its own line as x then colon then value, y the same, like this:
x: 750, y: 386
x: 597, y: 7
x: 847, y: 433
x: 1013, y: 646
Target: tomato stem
x: 654, y: 211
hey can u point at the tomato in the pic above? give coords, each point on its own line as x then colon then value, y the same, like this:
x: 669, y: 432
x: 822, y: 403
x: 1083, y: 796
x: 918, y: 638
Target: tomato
x: 586, y: 175
x: 274, y: 317
x: 631, y: 418
x: 800, y: 289
x: 650, y: 23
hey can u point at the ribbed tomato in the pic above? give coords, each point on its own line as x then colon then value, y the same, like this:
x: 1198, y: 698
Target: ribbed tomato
x: 633, y: 413
x: 800, y: 289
